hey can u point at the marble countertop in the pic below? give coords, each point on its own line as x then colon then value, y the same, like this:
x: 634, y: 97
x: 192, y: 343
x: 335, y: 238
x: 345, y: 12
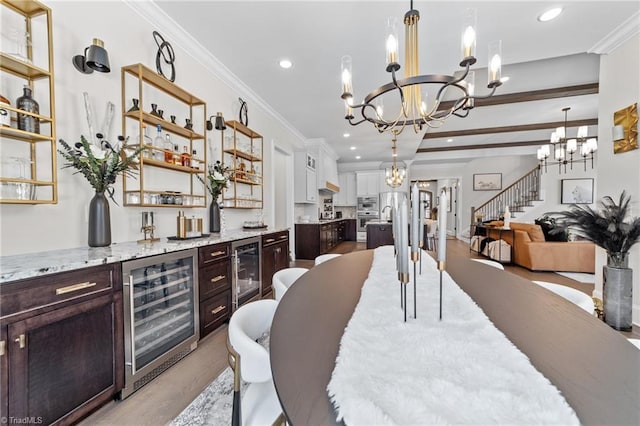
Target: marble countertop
x: 323, y: 221
x: 378, y: 222
x: 30, y: 265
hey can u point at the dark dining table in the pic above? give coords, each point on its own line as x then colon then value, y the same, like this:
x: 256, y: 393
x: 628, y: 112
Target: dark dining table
x: 596, y: 369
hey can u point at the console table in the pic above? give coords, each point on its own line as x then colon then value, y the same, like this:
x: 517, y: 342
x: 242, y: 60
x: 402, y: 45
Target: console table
x: 593, y: 366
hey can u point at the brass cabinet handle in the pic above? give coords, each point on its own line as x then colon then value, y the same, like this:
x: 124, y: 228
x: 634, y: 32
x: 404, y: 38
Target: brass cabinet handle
x: 218, y: 309
x: 270, y: 240
x: 3, y: 347
x: 218, y: 278
x: 21, y: 340
x: 218, y: 253
x: 282, y: 237
x: 74, y: 287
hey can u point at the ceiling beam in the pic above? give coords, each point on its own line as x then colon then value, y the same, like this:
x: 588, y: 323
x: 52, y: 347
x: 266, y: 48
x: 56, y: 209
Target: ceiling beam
x: 508, y: 129
x: 481, y: 146
x: 535, y: 95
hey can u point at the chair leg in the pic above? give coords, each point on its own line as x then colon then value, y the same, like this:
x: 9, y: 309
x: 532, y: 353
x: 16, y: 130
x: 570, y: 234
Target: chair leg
x: 234, y: 362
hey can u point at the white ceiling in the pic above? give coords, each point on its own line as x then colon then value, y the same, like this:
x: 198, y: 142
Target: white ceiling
x: 250, y: 37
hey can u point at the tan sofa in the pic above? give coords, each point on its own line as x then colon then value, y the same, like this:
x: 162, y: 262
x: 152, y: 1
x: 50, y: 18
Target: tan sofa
x: 532, y: 251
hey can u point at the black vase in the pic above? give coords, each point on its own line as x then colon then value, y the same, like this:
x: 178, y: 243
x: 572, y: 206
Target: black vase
x: 214, y: 217
x: 26, y: 122
x: 99, y: 221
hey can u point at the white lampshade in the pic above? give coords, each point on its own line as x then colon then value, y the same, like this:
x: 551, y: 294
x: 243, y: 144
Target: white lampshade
x: 618, y: 132
x: 583, y: 131
x: 560, y: 132
x: 572, y: 146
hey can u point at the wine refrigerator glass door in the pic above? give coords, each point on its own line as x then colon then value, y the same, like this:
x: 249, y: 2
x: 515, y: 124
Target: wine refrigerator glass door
x: 247, y: 272
x: 160, y: 309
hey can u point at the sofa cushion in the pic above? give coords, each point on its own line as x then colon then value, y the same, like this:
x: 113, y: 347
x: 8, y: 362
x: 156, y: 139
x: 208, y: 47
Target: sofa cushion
x: 534, y: 231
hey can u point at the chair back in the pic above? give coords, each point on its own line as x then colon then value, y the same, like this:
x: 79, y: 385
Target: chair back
x: 492, y: 263
x: 283, y: 279
x: 248, y: 323
x: 571, y: 294
x: 324, y: 257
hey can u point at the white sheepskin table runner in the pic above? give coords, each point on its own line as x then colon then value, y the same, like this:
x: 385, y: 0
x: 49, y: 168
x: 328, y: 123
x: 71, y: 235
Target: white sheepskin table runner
x: 461, y: 370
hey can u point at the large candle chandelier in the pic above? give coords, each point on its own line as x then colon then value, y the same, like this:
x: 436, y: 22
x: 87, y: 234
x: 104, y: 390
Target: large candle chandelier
x: 563, y: 148
x: 416, y: 108
x: 394, y: 173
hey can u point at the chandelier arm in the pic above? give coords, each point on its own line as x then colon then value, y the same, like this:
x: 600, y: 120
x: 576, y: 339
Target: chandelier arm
x: 485, y: 96
x: 455, y: 81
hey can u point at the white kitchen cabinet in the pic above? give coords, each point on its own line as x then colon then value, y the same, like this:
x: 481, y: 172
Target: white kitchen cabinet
x: 368, y: 183
x: 305, y: 185
x: 347, y: 194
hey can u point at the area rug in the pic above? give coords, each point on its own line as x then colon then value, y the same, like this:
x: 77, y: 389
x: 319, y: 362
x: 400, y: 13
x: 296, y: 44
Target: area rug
x: 213, y: 406
x: 579, y: 276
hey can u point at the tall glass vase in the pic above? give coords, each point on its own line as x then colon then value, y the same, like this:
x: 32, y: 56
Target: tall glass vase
x: 214, y: 217
x: 99, y: 221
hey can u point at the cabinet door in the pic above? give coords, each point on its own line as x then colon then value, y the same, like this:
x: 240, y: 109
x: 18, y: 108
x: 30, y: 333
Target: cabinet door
x: 268, y: 267
x: 61, y: 359
x: 350, y: 193
x: 312, y: 186
x: 281, y: 254
x: 4, y: 371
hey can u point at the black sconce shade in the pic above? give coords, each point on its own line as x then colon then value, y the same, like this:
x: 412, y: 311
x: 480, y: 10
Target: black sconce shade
x: 219, y: 123
x: 95, y: 58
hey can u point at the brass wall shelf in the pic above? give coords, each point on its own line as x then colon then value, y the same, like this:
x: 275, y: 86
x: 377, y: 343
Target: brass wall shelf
x: 13, y: 138
x: 240, y: 144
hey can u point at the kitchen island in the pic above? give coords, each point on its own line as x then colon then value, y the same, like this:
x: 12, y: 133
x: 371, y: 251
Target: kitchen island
x: 319, y: 237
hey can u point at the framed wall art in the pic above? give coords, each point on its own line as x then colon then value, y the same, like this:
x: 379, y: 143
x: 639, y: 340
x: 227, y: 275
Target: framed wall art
x: 576, y: 191
x: 487, y: 181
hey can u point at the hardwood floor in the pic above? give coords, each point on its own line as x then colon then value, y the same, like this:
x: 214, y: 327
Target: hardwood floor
x: 161, y: 400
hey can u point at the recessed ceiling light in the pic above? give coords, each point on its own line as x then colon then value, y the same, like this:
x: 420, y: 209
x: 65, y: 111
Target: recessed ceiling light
x: 449, y: 140
x: 357, y: 157
x: 550, y: 14
x: 285, y: 63
x: 504, y: 79
x: 346, y: 135
x: 352, y: 148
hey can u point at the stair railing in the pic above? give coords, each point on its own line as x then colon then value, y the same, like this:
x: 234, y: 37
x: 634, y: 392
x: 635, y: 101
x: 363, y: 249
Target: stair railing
x: 517, y: 195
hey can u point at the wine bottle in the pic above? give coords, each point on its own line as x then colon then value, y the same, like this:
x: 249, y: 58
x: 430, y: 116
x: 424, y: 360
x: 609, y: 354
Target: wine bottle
x: 195, y: 163
x: 28, y: 123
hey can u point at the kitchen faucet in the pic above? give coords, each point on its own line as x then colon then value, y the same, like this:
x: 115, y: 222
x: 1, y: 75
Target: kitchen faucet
x: 384, y: 209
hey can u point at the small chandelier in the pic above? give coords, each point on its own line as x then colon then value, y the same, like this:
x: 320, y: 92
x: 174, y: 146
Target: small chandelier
x: 416, y: 108
x: 563, y: 148
x: 394, y: 172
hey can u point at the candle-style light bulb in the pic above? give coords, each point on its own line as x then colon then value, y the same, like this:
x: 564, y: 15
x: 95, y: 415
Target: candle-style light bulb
x: 392, y: 43
x: 347, y: 75
x: 495, y: 63
x: 442, y: 227
x: 469, y: 34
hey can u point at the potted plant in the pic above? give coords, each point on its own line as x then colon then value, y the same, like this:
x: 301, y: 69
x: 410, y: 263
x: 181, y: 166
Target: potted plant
x: 216, y: 181
x: 606, y: 227
x: 100, y: 166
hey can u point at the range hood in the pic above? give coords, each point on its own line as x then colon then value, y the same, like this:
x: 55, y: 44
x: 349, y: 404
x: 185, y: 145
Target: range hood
x: 327, y: 186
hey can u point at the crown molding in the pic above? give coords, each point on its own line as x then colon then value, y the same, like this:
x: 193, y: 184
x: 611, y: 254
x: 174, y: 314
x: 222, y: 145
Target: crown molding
x: 151, y: 12
x: 618, y: 36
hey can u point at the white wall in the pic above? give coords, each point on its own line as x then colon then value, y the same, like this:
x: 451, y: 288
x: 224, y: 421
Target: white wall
x: 619, y: 88
x: 128, y: 39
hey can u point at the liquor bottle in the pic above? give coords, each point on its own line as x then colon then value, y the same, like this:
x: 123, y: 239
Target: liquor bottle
x: 158, y: 144
x: 168, y: 150
x: 185, y: 158
x: 26, y: 122
x: 5, y: 118
x: 176, y: 155
x: 195, y: 163
x: 146, y: 141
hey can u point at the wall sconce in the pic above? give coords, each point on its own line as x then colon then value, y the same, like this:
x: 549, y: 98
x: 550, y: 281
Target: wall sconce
x: 95, y: 58
x: 219, y: 123
x: 625, y: 129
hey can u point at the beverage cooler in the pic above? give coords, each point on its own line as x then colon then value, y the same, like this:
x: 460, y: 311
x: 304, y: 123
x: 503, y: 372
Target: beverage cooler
x: 160, y: 314
x: 247, y: 271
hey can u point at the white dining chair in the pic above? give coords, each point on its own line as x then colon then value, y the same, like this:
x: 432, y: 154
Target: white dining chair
x: 283, y: 279
x: 250, y: 361
x: 571, y: 294
x: 324, y: 257
x: 492, y: 263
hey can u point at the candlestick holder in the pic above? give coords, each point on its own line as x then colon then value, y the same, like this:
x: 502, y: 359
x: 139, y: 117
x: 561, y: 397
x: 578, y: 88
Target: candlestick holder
x: 148, y: 228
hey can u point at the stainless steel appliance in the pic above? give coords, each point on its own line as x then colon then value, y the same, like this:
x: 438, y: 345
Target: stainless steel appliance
x: 246, y: 285
x: 368, y: 204
x: 364, y: 217
x: 160, y: 314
